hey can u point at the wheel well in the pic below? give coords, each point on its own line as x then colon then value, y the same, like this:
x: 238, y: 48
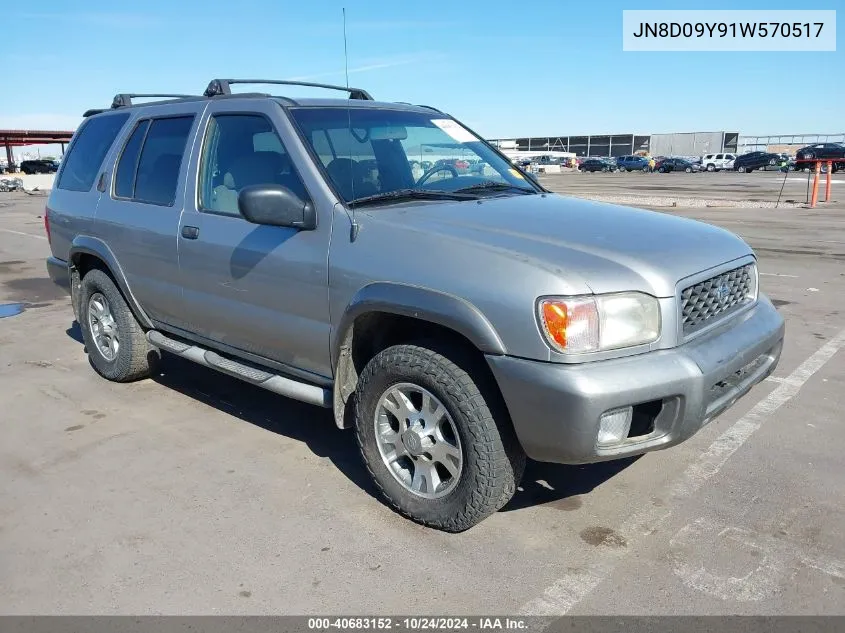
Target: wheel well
x: 373, y: 332
x: 81, y: 265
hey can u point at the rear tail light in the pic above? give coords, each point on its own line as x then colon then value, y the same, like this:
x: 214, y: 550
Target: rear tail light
x: 47, y: 224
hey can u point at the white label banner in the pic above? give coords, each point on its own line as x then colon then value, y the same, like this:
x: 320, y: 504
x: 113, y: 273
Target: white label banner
x: 729, y: 30
x: 455, y: 130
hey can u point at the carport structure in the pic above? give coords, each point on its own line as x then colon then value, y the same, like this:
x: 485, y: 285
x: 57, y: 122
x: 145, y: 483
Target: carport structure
x: 18, y: 138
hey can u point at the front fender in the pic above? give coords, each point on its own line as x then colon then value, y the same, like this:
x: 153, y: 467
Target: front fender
x: 85, y: 244
x: 421, y: 303
x: 417, y: 302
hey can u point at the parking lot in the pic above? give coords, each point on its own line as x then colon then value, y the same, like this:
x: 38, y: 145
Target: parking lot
x: 726, y: 188
x: 193, y: 493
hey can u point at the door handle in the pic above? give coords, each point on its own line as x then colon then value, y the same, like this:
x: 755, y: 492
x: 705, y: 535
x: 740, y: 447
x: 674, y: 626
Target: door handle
x: 190, y: 232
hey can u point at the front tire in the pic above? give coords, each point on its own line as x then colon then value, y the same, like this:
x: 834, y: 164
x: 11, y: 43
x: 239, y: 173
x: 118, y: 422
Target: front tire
x: 435, y: 438
x: 115, y: 341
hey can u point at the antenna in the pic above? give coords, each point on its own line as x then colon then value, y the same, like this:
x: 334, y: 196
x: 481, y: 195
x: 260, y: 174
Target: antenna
x: 353, y: 229
x: 345, y: 54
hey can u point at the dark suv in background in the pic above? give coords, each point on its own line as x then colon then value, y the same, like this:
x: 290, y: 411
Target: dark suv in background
x: 39, y: 166
x: 756, y: 160
x: 632, y: 163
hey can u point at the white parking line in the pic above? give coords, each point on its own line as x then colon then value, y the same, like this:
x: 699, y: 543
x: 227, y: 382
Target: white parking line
x: 779, y: 275
x: 833, y: 180
x: 37, y: 237
x: 566, y: 592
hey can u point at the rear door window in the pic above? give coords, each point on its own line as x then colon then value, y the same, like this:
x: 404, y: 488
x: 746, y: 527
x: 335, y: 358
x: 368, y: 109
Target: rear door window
x: 157, y: 175
x: 86, y: 154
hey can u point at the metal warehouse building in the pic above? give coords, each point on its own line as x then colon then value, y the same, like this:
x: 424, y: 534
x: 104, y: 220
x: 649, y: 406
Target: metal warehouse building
x: 683, y: 144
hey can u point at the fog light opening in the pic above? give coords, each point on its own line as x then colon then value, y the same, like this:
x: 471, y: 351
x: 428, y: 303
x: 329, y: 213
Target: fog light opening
x: 614, y: 425
x: 644, y: 416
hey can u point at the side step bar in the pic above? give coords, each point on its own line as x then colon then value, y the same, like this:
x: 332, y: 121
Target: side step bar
x: 288, y: 387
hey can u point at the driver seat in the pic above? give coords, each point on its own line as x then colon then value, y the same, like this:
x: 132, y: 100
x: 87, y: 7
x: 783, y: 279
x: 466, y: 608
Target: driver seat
x: 347, y: 175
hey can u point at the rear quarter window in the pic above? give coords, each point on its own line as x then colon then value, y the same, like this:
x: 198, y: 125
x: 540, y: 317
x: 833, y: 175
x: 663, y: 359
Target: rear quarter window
x: 85, y: 156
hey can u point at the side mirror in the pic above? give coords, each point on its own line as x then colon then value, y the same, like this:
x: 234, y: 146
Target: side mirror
x: 275, y: 205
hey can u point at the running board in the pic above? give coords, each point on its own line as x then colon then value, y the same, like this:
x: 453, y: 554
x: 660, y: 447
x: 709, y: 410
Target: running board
x: 281, y: 385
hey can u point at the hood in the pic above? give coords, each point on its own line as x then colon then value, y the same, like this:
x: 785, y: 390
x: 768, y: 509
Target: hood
x: 602, y: 247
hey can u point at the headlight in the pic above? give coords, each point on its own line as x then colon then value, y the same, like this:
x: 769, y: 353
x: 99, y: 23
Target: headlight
x: 594, y: 323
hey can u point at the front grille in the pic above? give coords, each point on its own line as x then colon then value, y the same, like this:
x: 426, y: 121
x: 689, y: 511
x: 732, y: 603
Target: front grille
x: 708, y: 299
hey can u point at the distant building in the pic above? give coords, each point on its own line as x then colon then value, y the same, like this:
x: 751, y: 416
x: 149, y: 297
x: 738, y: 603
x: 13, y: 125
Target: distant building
x: 680, y: 144
x: 683, y: 144
x: 785, y: 143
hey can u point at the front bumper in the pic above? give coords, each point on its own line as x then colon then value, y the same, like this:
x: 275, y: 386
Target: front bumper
x: 556, y: 408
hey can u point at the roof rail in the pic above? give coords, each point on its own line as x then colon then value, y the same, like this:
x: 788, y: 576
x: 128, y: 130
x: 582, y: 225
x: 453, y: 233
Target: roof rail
x: 428, y: 107
x: 93, y: 111
x: 222, y: 87
x: 124, y: 100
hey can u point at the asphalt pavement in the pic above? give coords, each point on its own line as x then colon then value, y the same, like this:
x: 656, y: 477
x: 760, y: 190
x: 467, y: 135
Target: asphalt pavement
x: 193, y: 493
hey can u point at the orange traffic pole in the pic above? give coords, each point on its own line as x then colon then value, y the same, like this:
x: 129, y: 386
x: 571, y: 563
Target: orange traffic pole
x: 827, y: 185
x: 814, y: 200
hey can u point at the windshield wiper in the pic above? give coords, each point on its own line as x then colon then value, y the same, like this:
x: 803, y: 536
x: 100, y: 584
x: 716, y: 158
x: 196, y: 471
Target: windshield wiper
x: 411, y: 194
x: 492, y: 185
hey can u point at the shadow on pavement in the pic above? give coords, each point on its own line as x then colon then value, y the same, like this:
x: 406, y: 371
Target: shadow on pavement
x: 305, y: 423
x: 561, y: 485
x: 542, y: 484
x: 75, y: 332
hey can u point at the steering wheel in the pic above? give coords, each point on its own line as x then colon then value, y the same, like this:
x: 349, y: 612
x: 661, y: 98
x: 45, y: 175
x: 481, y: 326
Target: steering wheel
x: 434, y: 170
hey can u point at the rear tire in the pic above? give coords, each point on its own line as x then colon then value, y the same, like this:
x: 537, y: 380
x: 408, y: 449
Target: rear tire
x: 116, y: 344
x: 741, y: 170
x: 688, y: 170
x: 491, y: 461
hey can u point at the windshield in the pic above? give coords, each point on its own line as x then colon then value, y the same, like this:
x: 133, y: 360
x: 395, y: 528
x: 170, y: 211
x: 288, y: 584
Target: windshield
x: 385, y: 151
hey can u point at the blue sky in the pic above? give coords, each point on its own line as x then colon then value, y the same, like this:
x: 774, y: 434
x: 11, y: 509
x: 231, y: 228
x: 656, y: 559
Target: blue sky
x: 548, y: 67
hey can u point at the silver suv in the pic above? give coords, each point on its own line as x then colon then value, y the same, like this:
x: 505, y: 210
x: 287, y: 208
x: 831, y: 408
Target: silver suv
x: 457, y: 320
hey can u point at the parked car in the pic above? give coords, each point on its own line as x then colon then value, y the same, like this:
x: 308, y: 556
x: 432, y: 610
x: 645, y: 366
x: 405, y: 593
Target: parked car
x: 676, y: 164
x: 596, y: 164
x: 575, y: 332
x: 632, y: 163
x: 756, y: 160
x: 459, y: 165
x: 834, y: 151
x: 717, y: 162
x: 39, y: 166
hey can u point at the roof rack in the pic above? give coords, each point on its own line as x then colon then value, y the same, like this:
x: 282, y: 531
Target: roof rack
x: 124, y: 100
x: 219, y: 87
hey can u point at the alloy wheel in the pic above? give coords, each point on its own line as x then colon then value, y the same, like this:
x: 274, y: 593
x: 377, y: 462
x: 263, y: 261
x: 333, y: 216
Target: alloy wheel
x: 418, y: 440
